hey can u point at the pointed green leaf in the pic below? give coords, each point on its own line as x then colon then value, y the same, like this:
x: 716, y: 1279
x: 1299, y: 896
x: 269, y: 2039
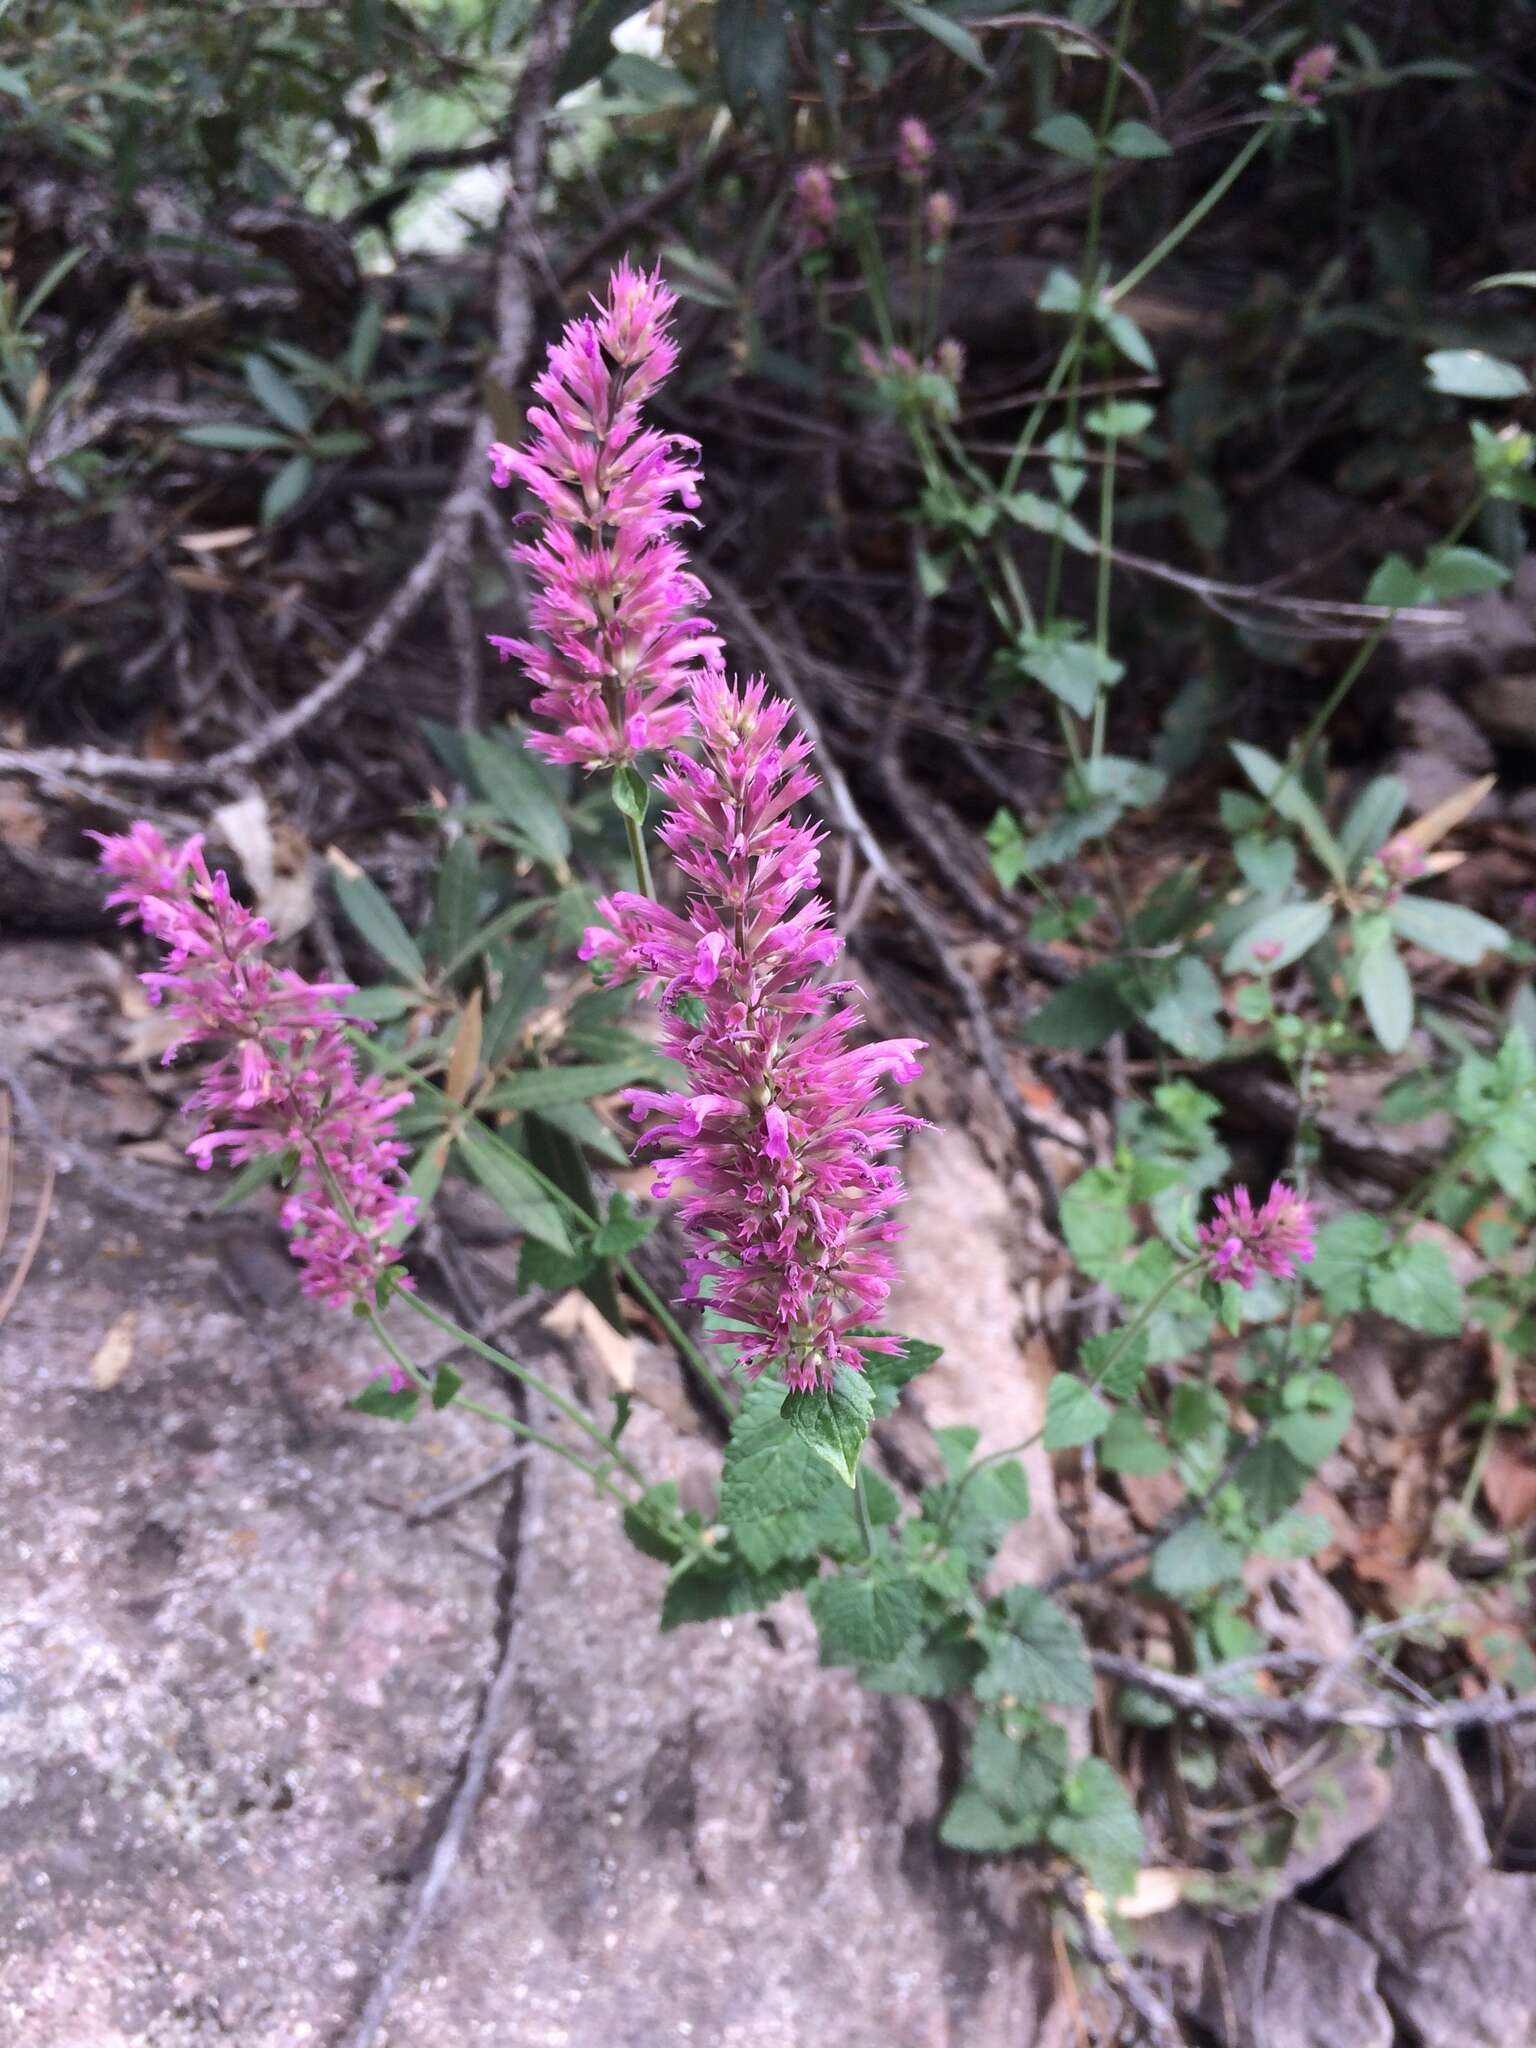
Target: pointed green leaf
x: 371, y: 914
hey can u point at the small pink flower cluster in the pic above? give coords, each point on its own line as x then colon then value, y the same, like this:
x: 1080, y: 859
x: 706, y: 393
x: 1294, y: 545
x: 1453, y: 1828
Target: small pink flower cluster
x: 286, y: 1081
x: 1404, y: 859
x: 1312, y: 68
x: 1241, y: 1242
x: 615, y: 598
x: 813, y: 207
x: 939, y: 216
x: 778, y: 1134
x: 914, y: 150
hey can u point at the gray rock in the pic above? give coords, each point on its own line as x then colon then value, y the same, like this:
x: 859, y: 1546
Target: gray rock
x: 1413, y: 1879
x: 1458, y: 1960
x: 1431, y: 777
x: 1474, y: 1986
x: 1505, y: 705
x: 1294, y: 1978
x: 1431, y: 722
x: 236, y: 1688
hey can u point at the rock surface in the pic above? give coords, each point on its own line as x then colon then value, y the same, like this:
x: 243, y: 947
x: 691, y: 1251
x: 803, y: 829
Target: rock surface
x: 1458, y: 1959
x: 1295, y: 1979
x: 237, y: 1685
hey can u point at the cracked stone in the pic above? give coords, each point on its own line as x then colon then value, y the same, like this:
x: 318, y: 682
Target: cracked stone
x: 1294, y: 1979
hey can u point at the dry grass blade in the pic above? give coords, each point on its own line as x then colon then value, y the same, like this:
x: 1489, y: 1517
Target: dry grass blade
x: 29, y: 1250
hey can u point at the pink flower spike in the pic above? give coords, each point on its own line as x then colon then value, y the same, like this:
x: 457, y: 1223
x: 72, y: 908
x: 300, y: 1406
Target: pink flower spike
x: 285, y: 1081
x: 1240, y: 1242
x: 914, y: 150
x: 814, y: 204
x: 776, y: 1141
x: 1312, y: 68
x: 939, y: 216
x: 614, y: 599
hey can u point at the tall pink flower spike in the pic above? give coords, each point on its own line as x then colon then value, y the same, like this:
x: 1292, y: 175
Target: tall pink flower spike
x: 1241, y: 1242
x: 776, y: 1140
x: 613, y: 596
x: 286, y: 1080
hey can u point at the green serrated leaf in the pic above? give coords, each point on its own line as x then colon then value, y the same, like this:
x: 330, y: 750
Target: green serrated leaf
x: 864, y: 1620
x: 445, y: 1384
x: 1129, y: 1446
x: 711, y: 1590
x: 774, y: 1489
x: 1034, y: 1652
x: 833, y: 1420
x: 1074, y: 1414
x: 381, y: 1398
x: 1097, y: 1827
x: 1415, y: 1285
x: 1347, y: 1249
x: 1194, y: 1560
x: 1082, y: 1016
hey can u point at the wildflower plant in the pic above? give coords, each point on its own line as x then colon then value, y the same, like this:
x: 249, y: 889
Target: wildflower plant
x: 776, y: 1125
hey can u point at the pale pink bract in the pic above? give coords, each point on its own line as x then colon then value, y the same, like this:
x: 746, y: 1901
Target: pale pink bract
x: 775, y: 1143
x: 286, y: 1080
x: 613, y: 594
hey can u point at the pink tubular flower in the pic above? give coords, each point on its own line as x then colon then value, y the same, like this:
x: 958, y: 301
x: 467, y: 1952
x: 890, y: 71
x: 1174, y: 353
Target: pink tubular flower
x: 286, y: 1081
x: 1240, y: 1242
x: 914, y: 150
x: 1312, y: 68
x: 939, y: 216
x: 614, y: 595
x: 778, y: 1135
x: 814, y: 205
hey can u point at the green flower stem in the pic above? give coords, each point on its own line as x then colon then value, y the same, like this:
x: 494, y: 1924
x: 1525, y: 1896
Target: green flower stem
x: 1087, y: 273
x: 1127, y: 1336
x: 690, y: 1352
x: 1140, y: 272
x: 1356, y: 667
x: 413, y: 1372
x: 915, y: 267
x: 532, y: 1380
x: 1127, y: 284
x: 692, y: 1356
x: 1105, y: 569
x: 634, y: 832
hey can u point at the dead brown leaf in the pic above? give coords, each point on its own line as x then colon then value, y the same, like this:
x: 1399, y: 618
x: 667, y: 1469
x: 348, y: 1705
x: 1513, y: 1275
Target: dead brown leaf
x: 114, y: 1354
x: 1509, y: 1481
x: 574, y: 1316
